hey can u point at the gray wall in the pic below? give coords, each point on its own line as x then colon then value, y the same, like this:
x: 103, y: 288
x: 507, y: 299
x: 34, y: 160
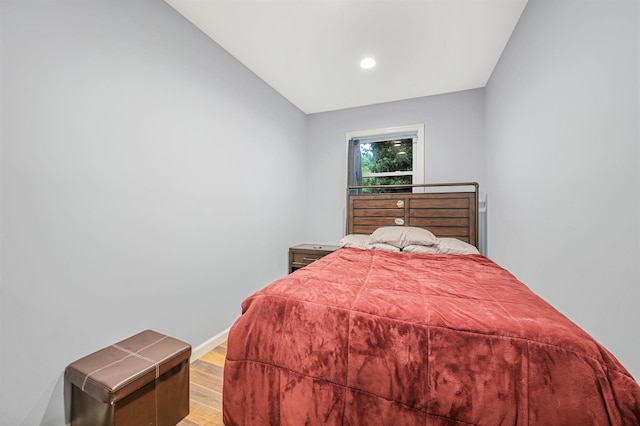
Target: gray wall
x: 454, y: 149
x: 148, y: 181
x: 563, y: 164
x: 2, y: 296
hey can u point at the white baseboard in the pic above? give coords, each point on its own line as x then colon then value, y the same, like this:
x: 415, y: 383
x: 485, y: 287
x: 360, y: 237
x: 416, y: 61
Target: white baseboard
x: 205, y: 347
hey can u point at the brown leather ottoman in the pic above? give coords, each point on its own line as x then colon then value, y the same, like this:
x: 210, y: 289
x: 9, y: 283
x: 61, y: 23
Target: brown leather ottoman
x: 143, y: 380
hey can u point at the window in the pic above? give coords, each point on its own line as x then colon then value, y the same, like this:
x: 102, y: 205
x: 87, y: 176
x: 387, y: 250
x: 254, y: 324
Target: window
x: 393, y: 156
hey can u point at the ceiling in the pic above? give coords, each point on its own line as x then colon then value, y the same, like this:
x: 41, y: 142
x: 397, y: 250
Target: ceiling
x: 310, y: 50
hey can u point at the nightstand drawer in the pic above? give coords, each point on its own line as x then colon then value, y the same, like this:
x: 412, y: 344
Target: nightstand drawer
x: 305, y: 254
x: 306, y: 258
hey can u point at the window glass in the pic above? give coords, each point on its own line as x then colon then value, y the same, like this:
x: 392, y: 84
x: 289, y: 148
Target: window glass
x: 387, y: 163
x: 392, y: 156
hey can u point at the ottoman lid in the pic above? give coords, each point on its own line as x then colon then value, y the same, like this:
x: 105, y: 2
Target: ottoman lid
x: 114, y: 372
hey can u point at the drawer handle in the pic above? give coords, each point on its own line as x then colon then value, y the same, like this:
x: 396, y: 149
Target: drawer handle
x: 400, y: 203
x: 309, y: 258
x: 399, y: 221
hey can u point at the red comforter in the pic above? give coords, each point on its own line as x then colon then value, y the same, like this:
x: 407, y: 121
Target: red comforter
x: 375, y: 338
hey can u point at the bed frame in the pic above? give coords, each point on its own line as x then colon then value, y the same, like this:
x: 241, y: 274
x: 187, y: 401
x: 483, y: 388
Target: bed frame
x: 446, y: 209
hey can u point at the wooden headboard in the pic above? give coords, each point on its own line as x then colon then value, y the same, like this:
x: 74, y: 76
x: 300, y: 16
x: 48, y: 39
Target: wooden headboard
x: 446, y: 214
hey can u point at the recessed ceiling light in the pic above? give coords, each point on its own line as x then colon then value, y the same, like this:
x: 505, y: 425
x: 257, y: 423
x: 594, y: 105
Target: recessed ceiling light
x: 367, y: 63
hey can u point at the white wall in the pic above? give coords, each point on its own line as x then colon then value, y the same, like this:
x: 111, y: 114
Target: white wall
x: 454, y: 150
x: 563, y: 164
x: 2, y: 296
x: 148, y: 181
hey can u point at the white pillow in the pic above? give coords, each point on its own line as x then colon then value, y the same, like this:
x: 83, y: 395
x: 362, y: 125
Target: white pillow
x: 421, y: 249
x: 402, y: 236
x: 355, y: 241
x: 383, y: 247
x: 455, y: 246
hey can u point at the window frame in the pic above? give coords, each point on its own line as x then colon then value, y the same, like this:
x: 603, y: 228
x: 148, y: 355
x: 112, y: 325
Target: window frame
x: 416, y: 131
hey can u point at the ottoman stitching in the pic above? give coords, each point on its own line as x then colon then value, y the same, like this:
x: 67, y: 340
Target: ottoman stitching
x: 129, y: 354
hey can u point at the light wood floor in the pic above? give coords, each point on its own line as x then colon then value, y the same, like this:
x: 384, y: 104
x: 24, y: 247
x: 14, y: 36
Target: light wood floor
x: 205, y: 389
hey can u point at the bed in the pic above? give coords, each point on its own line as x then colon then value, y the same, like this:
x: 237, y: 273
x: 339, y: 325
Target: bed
x: 378, y: 334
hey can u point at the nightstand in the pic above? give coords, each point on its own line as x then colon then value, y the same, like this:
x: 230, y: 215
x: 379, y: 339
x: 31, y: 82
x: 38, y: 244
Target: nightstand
x: 305, y: 254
